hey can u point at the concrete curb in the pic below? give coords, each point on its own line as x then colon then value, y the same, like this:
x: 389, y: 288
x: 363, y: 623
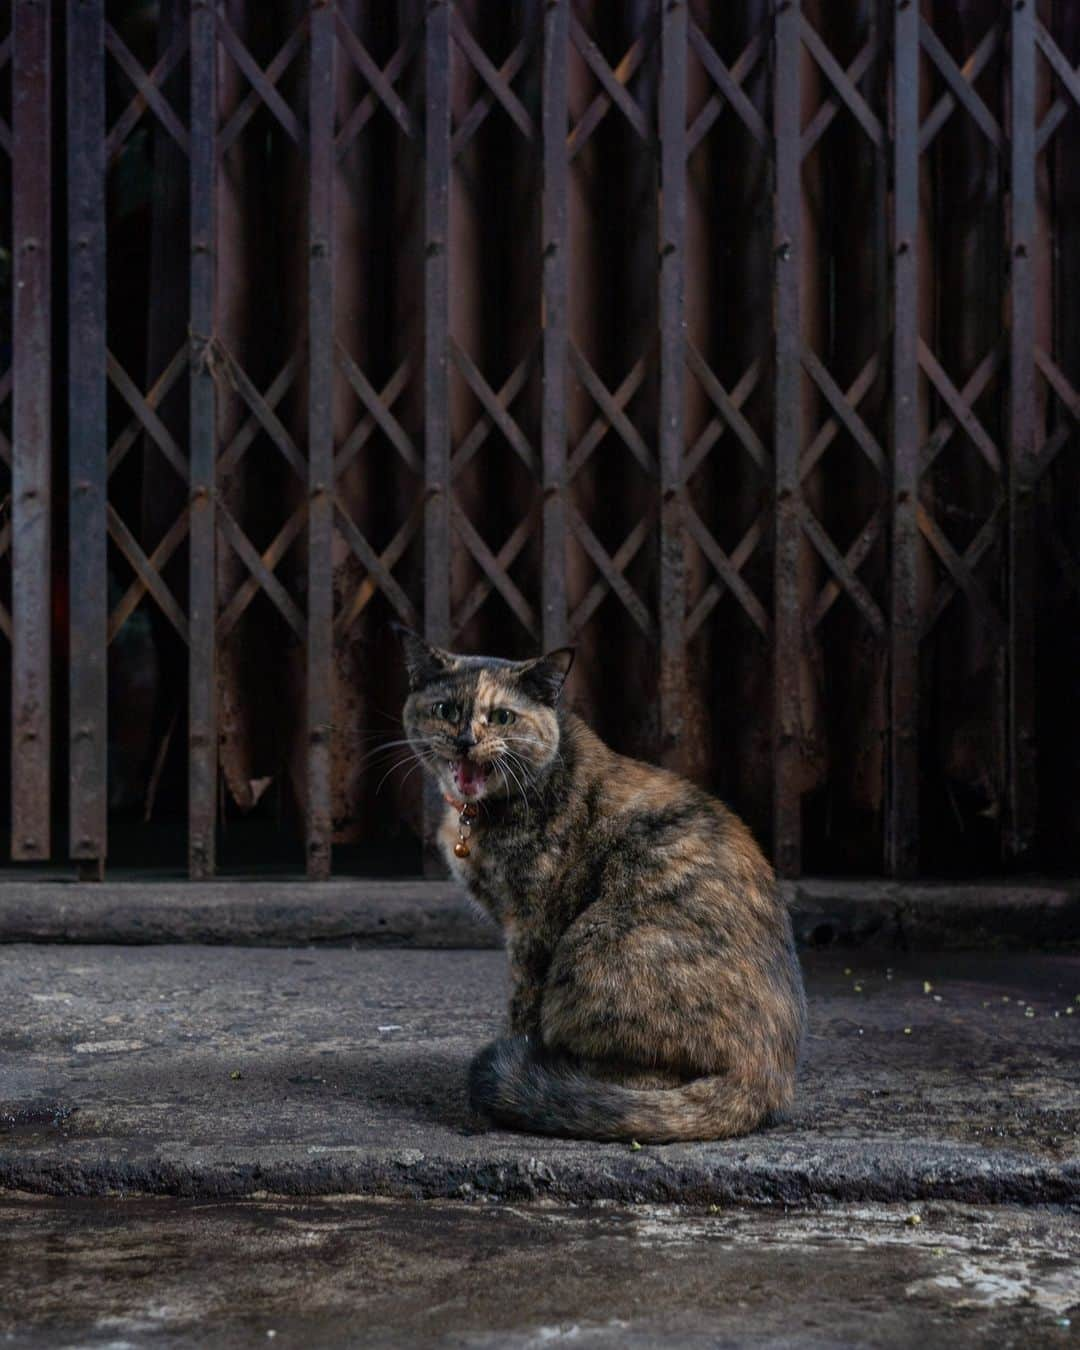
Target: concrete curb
x: 933, y: 915
x: 245, y: 913
x: 434, y: 914
x: 673, y: 1174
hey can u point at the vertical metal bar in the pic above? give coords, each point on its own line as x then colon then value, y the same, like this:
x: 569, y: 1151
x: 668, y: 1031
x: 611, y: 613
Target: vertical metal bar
x: 673, y: 45
x: 880, y: 394
x: 87, y: 435
x: 1023, y: 439
x: 202, y: 617
x: 437, y: 167
x: 556, y: 263
x: 787, y: 626
x: 31, y: 485
x: 320, y: 615
x: 903, y: 825
x: 436, y: 325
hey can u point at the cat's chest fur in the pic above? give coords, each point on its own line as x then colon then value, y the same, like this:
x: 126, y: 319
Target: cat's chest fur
x: 509, y: 871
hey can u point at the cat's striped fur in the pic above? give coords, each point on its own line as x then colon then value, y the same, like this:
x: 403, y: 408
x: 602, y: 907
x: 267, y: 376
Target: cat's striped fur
x: 656, y: 992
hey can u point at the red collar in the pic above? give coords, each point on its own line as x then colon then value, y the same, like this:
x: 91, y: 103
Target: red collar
x: 470, y: 810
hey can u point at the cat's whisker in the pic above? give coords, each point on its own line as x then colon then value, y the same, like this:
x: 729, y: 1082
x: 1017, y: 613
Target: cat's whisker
x: 399, y: 763
x: 515, y: 759
x: 555, y: 755
x: 505, y: 763
x: 417, y: 765
x: 418, y: 757
x: 502, y: 774
x: 388, y: 747
x: 532, y: 773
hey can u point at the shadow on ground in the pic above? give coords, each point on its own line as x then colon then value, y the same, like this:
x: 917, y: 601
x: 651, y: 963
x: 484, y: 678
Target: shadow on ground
x: 226, y: 1071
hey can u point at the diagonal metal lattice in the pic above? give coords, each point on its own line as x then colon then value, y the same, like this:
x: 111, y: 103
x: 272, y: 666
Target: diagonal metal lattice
x: 379, y: 92
x: 614, y: 96
x: 496, y: 426
x: 727, y: 429
x: 959, y: 422
x: 148, y: 100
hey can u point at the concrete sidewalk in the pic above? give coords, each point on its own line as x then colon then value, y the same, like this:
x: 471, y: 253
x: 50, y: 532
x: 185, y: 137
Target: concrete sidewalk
x: 215, y: 1071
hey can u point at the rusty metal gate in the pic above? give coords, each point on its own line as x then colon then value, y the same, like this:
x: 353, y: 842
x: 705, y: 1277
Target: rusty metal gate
x: 737, y: 343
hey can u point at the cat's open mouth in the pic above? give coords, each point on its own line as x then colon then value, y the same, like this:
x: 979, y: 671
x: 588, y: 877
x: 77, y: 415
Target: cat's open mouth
x: 470, y: 778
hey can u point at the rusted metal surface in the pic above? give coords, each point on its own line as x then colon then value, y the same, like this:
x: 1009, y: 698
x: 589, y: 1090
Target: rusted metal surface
x: 31, y: 441
x: 203, y: 358
x: 788, y: 428
x: 497, y: 399
x: 1059, y: 462
x: 321, y: 485
x: 672, y: 127
x: 436, y: 607
x: 1023, y: 437
x: 902, y: 829
x: 613, y: 322
x: 962, y: 511
x: 555, y: 243
x: 454, y: 313
x: 728, y: 467
x: 88, y: 582
x: 436, y: 333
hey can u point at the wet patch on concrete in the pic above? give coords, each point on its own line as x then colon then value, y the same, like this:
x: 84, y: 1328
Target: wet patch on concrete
x: 394, y: 1273
x: 37, y: 1123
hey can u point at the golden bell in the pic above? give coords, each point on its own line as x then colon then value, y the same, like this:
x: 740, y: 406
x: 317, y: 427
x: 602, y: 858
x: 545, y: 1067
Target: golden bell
x: 461, y: 849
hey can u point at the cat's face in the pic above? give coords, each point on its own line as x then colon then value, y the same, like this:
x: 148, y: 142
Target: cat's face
x: 484, y: 728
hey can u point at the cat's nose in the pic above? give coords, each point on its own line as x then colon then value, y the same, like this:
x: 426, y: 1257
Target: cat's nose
x: 464, y: 740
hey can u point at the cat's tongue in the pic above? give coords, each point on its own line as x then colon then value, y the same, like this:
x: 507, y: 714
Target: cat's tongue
x: 469, y: 777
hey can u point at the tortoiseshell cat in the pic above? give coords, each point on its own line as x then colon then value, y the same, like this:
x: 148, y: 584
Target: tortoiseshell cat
x: 656, y: 992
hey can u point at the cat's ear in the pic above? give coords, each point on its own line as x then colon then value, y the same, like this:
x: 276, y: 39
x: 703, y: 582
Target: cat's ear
x: 423, y: 662
x: 544, y: 678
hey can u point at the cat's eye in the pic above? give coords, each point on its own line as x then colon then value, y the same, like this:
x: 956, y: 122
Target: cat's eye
x: 448, y: 712
x: 501, y: 717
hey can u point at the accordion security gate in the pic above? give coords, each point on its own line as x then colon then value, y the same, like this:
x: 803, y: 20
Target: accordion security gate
x: 731, y: 347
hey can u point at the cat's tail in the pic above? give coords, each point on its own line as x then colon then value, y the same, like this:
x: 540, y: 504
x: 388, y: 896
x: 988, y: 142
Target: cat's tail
x: 513, y: 1085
